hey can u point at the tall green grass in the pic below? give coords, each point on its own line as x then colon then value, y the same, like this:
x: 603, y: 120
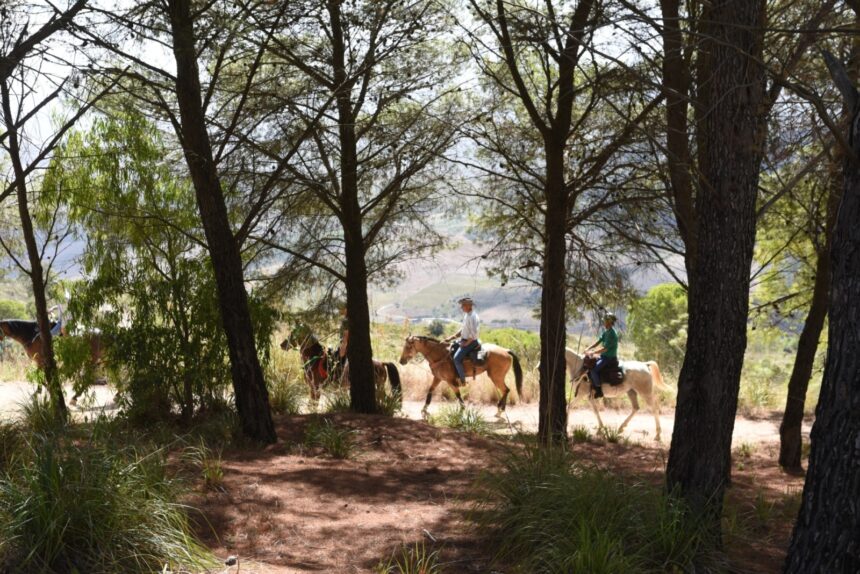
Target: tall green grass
x: 72, y: 506
x: 467, y: 419
x: 545, y: 514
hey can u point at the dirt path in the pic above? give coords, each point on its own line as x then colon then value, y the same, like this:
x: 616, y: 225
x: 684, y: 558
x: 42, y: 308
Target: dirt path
x: 519, y: 417
x: 641, y: 427
x: 15, y: 393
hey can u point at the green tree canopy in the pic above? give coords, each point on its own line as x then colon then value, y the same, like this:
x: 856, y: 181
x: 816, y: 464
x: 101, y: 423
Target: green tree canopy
x: 658, y: 325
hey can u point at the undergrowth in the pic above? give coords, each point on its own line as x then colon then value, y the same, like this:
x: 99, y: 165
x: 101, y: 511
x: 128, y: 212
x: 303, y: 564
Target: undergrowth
x: 322, y: 433
x: 546, y: 514
x: 466, y: 419
x: 86, y: 506
x: 411, y: 559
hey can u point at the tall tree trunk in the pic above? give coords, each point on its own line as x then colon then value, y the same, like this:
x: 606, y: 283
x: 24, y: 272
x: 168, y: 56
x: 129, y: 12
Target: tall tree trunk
x: 790, y: 430
x: 826, y: 536
x: 359, y: 352
x: 36, y: 273
x: 552, y: 420
x: 252, y: 398
x: 731, y: 88
x: 676, y: 89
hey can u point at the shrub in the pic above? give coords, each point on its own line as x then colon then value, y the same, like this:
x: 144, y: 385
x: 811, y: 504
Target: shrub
x: 69, y: 507
x: 581, y: 434
x: 610, y: 434
x: 546, y: 514
x: 412, y: 559
x: 658, y: 325
x: 465, y: 419
x: 38, y: 415
x: 324, y: 434
x: 208, y: 462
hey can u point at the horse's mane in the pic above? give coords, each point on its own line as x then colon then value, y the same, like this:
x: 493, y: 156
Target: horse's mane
x: 426, y: 338
x: 22, y: 329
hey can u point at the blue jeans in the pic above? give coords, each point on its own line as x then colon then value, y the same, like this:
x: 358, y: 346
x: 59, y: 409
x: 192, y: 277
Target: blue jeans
x: 594, y: 374
x: 460, y: 355
x: 56, y: 329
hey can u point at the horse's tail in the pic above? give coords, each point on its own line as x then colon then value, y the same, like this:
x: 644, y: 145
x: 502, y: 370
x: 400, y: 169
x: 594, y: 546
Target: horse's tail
x: 657, y: 376
x: 394, y: 378
x: 518, y: 374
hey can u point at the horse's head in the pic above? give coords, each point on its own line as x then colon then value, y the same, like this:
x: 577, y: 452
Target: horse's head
x: 408, y: 350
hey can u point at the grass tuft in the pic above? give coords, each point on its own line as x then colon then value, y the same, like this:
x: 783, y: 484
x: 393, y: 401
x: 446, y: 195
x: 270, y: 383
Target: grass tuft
x: 324, y: 434
x: 208, y: 462
x: 546, y: 514
x: 581, y: 434
x: 76, y: 506
x: 467, y: 419
x: 611, y: 434
x: 411, y: 559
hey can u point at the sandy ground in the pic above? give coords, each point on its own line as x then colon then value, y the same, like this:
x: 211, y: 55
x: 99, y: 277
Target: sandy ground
x: 523, y: 417
x: 641, y: 428
x: 14, y: 394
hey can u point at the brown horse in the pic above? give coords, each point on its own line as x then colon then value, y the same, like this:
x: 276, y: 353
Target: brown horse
x: 26, y: 333
x: 498, y: 363
x: 320, y: 366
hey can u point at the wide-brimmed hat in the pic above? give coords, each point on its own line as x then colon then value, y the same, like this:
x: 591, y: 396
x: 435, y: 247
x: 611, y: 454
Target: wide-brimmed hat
x: 610, y: 317
x: 466, y: 300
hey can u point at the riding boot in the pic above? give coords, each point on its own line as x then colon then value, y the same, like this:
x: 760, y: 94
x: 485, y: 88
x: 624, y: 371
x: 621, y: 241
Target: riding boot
x: 597, y: 392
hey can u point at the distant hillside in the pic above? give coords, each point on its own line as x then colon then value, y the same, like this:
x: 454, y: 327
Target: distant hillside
x: 431, y: 289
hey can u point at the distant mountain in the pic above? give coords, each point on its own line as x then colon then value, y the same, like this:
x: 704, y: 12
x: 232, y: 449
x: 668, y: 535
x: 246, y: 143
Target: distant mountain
x: 431, y: 289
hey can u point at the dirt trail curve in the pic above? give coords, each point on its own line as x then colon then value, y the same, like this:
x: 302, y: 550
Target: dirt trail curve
x: 518, y: 418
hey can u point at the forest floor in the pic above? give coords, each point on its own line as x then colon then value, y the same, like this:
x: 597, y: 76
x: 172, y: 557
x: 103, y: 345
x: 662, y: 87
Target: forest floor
x: 289, y: 508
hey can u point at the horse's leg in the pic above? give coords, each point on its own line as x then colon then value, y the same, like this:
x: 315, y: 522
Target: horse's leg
x: 433, y: 386
x: 593, y: 403
x: 459, y: 397
x: 634, y: 401
x: 503, y: 389
x: 315, y: 393
x: 654, y: 405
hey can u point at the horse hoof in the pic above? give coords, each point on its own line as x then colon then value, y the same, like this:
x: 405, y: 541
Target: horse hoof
x: 425, y: 413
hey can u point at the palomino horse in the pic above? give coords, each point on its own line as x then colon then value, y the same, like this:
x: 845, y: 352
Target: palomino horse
x: 498, y: 363
x: 320, y: 366
x: 640, y: 379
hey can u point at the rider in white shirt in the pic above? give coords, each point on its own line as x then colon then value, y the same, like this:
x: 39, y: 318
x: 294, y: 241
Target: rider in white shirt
x: 468, y: 335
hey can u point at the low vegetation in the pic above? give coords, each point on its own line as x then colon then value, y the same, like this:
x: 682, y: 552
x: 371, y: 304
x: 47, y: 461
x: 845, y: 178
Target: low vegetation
x: 411, y: 559
x: 324, y: 434
x: 467, y: 419
x: 545, y: 513
x: 82, y: 500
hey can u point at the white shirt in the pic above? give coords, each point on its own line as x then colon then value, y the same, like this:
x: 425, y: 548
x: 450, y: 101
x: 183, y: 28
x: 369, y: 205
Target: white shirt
x: 469, y: 330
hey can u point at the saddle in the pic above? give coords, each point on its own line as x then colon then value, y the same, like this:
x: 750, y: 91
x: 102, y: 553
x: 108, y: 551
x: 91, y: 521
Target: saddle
x: 612, y: 375
x: 478, y: 356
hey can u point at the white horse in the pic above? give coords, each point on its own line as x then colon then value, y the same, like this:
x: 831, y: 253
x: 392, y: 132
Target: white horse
x: 639, y: 380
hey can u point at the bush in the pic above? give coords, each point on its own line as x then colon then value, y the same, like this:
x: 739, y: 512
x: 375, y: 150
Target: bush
x: 546, y: 514
x: 324, y: 434
x: 658, y: 325
x: 464, y: 419
x: 81, y: 507
x: 414, y: 559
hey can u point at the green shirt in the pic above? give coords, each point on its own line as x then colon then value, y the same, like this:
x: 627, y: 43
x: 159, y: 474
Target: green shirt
x: 609, y: 340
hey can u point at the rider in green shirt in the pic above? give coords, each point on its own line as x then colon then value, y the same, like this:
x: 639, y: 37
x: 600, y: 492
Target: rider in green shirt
x: 607, y: 346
